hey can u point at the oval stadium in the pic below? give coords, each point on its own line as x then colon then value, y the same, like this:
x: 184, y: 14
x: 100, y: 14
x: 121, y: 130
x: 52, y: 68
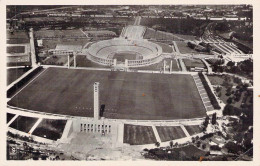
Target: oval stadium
x: 136, y: 52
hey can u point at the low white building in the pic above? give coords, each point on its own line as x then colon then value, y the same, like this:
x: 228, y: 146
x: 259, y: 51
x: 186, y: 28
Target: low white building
x: 65, y: 49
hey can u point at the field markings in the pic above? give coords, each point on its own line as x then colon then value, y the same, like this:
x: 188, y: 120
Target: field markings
x: 13, y: 119
x: 35, y: 125
x: 158, y: 139
x: 28, y: 84
x: 185, y: 131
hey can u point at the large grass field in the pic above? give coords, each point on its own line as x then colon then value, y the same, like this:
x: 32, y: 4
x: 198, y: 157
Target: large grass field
x: 125, y: 95
x: 138, y: 135
x: 50, y: 129
x: 168, y: 133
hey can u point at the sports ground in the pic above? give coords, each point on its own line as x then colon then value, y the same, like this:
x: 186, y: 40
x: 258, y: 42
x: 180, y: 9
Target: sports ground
x: 125, y: 95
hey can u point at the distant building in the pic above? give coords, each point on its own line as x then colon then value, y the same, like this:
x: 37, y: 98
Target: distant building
x: 65, y: 49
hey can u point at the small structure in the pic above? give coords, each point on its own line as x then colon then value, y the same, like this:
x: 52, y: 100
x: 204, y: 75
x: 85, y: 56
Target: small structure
x: 96, y: 101
x: 65, y: 49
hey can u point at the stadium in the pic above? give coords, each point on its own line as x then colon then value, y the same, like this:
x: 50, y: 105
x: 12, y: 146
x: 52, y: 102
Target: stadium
x: 130, y: 53
x: 168, y: 104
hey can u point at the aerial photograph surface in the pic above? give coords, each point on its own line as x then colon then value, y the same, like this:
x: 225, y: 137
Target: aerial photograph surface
x: 129, y: 82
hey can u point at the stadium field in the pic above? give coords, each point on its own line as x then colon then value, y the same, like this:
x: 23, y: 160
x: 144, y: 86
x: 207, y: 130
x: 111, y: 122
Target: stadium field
x: 124, y: 95
x: 124, y: 55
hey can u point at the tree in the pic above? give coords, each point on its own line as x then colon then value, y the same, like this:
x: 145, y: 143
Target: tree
x: 231, y: 64
x: 218, y: 89
x: 157, y: 144
x: 203, y: 146
x: 205, y: 123
x: 229, y: 100
x: 198, y: 144
x: 232, y: 147
x: 171, y: 144
x: 193, y: 139
x: 214, y: 119
x: 176, y: 144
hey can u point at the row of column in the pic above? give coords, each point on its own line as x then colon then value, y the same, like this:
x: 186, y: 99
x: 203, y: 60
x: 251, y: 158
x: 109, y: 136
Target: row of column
x: 75, y: 63
x: 164, y: 66
x: 95, y: 128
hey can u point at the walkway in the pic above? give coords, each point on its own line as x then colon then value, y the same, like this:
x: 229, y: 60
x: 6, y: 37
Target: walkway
x: 137, y: 20
x: 33, y: 56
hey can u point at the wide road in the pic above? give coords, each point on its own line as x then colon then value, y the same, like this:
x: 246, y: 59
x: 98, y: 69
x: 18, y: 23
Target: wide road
x: 137, y: 20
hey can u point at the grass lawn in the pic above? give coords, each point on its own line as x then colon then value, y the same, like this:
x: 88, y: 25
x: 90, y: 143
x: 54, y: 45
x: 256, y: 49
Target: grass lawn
x: 51, y: 44
x: 186, y: 37
x: 192, y: 63
x: 18, y: 35
x: 191, y: 150
x: 158, y: 35
x: 168, y: 133
x: 138, y: 135
x: 73, y: 33
x: 15, y: 49
x: 82, y: 61
x: 125, y: 95
x: 184, y: 49
x: 9, y: 116
x: 165, y: 47
x: 50, y: 129
x: 23, y: 123
x: 218, y: 80
x: 194, y: 129
x: 17, y: 41
x: 14, y: 73
x: 56, y: 60
x: 13, y: 62
x: 224, y: 98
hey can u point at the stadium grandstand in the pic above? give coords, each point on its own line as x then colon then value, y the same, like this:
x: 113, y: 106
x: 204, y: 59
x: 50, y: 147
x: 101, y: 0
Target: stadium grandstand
x: 133, y: 32
x: 138, y: 52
